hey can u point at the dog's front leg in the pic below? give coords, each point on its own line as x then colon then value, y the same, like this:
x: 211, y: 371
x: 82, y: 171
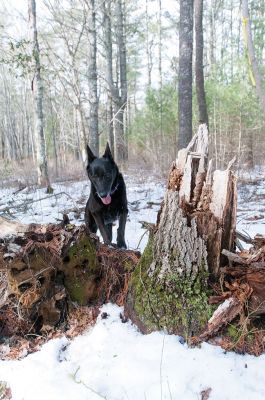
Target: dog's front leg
x: 100, y: 223
x: 121, y: 230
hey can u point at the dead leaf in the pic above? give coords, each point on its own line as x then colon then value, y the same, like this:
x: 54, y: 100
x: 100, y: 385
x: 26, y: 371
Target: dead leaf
x: 205, y: 394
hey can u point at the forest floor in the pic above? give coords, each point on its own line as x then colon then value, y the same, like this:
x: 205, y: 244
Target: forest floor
x: 112, y: 360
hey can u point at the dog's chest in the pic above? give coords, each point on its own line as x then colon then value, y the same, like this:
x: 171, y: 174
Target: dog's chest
x: 110, y: 214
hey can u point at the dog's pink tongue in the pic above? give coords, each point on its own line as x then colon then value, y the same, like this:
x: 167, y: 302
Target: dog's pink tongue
x: 106, y: 200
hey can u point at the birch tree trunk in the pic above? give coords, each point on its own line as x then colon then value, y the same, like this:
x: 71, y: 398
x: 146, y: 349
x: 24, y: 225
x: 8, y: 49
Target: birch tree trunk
x: 185, y: 72
x: 37, y: 87
x: 169, y: 288
x: 93, y: 80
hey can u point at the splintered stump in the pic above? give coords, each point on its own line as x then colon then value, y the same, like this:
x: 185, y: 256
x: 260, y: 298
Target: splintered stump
x: 169, y: 287
x: 45, y: 268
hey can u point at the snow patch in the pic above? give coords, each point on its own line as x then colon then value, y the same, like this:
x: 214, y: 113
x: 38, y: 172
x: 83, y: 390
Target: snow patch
x: 114, y: 361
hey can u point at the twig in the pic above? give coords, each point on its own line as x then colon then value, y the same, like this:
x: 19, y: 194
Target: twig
x: 86, y: 386
x: 148, y: 225
x: 26, y: 203
x: 141, y: 238
x: 239, y: 245
x: 244, y: 238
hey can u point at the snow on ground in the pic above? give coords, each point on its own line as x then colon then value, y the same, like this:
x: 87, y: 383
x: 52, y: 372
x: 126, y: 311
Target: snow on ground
x: 113, y: 360
x: 251, y: 207
x: 32, y: 205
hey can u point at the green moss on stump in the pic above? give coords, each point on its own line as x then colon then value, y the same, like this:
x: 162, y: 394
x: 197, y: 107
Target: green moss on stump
x: 81, y: 271
x: 178, y: 305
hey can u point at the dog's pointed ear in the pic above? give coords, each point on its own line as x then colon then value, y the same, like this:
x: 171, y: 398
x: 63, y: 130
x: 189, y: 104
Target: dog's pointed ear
x: 107, y: 153
x: 90, y: 156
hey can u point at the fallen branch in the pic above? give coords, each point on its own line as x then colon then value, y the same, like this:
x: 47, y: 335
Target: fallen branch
x: 245, y: 238
x: 25, y: 204
x: 233, y: 257
x: 224, y: 314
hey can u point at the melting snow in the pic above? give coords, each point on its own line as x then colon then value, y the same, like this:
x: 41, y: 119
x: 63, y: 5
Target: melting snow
x: 113, y: 360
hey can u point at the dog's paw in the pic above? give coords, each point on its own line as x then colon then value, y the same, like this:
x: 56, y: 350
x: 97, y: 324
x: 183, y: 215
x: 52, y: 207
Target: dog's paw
x: 121, y: 245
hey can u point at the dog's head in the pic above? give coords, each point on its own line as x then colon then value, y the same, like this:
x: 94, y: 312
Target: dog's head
x: 102, y: 172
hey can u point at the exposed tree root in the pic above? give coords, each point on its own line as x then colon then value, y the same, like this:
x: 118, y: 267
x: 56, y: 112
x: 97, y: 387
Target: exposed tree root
x: 45, y: 269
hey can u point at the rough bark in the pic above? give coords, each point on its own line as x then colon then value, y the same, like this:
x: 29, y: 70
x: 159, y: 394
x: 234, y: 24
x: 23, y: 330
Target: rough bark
x: 169, y: 287
x: 93, y: 80
x: 46, y: 267
x: 199, y: 69
x: 37, y: 87
x: 185, y: 73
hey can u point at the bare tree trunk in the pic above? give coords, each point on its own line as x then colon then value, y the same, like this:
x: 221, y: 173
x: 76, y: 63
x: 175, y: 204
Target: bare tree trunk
x: 200, y: 90
x: 93, y: 80
x: 212, y: 35
x: 118, y: 90
x: 185, y: 73
x: 53, y: 132
x: 121, y: 102
x: 3, y: 144
x: 249, y: 157
x: 148, y: 48
x: 37, y: 87
x: 255, y: 74
x: 161, y: 132
x: 168, y: 289
x: 113, y: 90
x: 110, y: 124
x: 231, y: 41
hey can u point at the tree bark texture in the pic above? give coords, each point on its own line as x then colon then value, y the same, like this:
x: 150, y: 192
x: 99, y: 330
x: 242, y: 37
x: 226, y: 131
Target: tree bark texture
x: 168, y: 289
x: 185, y: 73
x: 93, y: 81
x: 199, y: 69
x: 37, y: 87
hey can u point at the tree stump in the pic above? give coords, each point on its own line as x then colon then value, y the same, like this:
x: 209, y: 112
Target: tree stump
x: 44, y: 268
x: 169, y: 287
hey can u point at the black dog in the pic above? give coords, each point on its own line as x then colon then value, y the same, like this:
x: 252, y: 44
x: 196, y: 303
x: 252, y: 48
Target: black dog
x: 107, y: 201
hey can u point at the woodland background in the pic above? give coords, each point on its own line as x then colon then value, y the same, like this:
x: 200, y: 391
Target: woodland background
x: 110, y: 71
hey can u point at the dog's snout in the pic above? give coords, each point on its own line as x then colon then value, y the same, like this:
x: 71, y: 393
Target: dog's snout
x: 103, y: 194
